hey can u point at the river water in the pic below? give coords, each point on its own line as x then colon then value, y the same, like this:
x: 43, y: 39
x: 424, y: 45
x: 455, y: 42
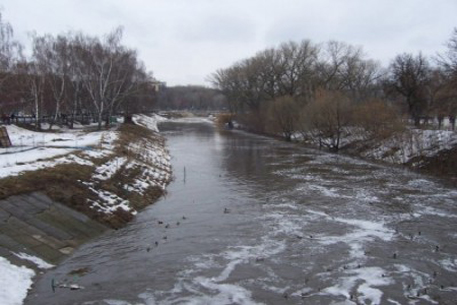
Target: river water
x: 252, y: 220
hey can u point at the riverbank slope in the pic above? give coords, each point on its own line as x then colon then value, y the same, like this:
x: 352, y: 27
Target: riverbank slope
x: 61, y: 188
x: 428, y: 151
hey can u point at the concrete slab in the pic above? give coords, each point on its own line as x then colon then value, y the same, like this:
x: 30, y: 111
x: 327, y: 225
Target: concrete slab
x: 40, y: 200
x: 5, y: 252
x: 65, y: 222
x: 26, y: 240
x: 42, y: 225
x: 4, y: 215
x: 47, y: 253
x: 22, y: 203
x: 11, y: 244
x: 67, y: 250
x: 12, y: 209
x: 50, y: 241
x: 75, y: 214
x: 34, y: 224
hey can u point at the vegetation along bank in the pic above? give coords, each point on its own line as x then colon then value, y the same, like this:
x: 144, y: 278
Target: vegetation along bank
x: 73, y: 185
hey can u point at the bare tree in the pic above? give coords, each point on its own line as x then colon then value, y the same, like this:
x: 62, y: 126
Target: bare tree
x: 284, y: 113
x: 409, y: 76
x: 33, y: 88
x: 10, y: 49
x: 327, y: 118
x: 10, y: 54
x: 52, y: 55
x: 448, y: 63
x: 295, y: 68
x: 96, y: 66
x: 448, y: 60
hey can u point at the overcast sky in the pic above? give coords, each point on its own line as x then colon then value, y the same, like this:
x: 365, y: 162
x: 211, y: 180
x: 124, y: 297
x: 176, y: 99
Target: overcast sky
x: 184, y: 41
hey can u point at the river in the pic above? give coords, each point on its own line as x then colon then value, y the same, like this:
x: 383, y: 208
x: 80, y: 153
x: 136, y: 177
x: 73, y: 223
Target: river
x: 253, y: 220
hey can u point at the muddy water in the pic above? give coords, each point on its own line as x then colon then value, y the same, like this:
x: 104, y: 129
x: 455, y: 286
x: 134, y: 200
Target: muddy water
x: 250, y: 220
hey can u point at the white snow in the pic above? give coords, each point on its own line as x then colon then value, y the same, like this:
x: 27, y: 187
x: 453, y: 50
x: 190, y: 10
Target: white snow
x: 149, y: 122
x: 403, y: 147
x: 36, y: 150
x: 366, y: 280
x: 363, y: 231
x: 14, y: 282
x: 449, y: 264
x: 108, y: 169
x: 36, y: 260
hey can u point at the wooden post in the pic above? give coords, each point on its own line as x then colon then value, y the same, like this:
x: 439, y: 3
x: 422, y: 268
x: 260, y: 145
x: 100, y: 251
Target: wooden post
x: 4, y: 138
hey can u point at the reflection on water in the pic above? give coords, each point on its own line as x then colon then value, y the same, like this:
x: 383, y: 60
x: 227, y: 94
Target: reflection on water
x: 250, y: 220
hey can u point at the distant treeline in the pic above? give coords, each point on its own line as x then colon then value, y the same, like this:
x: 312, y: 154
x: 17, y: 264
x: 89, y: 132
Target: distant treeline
x: 70, y: 75
x: 190, y: 98
x: 321, y: 89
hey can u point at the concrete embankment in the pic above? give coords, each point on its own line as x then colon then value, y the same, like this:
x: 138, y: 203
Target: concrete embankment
x: 38, y: 226
x: 50, y: 206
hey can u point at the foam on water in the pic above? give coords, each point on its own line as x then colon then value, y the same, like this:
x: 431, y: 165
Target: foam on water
x: 362, y: 283
x: 358, y: 233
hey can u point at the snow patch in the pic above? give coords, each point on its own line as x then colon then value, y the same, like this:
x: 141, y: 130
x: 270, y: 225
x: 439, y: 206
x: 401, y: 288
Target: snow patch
x: 37, y: 150
x: 403, y: 147
x: 149, y: 122
x: 36, y: 260
x: 14, y: 282
x: 107, y: 170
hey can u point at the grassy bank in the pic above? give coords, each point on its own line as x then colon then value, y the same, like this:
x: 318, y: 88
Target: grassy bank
x: 109, y: 187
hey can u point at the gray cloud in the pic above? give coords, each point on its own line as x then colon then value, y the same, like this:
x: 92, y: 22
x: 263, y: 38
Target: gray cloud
x: 217, y: 28
x: 183, y: 41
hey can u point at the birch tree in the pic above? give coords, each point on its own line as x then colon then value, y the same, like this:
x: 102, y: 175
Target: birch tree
x: 52, y: 55
x: 10, y: 52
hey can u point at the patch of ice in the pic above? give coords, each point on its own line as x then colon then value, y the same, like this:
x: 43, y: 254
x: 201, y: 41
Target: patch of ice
x: 364, y: 231
x: 284, y: 206
x: 283, y: 223
x: 326, y: 191
x: 366, y: 280
x: 449, y: 264
x: 192, y: 120
x: 420, y: 183
x: 227, y: 294
x: 112, y: 302
x: 364, y: 195
x: 435, y: 212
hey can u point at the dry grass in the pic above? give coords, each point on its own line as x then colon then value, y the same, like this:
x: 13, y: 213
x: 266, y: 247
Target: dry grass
x: 223, y: 118
x: 63, y: 183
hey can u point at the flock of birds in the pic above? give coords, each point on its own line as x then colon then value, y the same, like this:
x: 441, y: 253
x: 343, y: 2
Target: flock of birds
x: 419, y: 293
x: 178, y: 223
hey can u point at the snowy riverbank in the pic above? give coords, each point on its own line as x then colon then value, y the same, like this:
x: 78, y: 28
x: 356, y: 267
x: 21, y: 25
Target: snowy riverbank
x: 404, y: 147
x: 124, y: 170
x: 428, y: 150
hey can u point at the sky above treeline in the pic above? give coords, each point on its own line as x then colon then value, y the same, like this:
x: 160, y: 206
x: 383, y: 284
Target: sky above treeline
x: 184, y: 41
